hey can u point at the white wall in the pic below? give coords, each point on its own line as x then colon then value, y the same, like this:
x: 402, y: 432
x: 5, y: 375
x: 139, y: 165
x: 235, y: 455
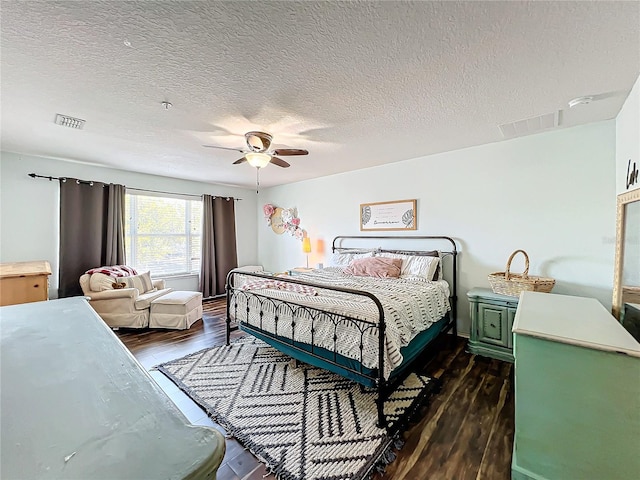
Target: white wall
x: 628, y: 138
x: 551, y: 194
x: 29, y: 209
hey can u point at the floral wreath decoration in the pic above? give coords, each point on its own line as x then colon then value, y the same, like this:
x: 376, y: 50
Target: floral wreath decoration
x: 289, y: 218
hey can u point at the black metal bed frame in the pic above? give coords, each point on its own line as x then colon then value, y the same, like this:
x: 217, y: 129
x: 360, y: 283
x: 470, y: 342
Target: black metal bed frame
x: 304, y: 313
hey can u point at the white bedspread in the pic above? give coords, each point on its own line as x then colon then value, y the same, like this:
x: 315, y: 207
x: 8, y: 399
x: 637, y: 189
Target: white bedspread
x: 410, y: 306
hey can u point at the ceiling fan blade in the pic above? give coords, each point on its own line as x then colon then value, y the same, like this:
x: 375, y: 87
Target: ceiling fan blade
x: 240, y: 160
x: 290, y: 151
x: 224, y: 148
x: 279, y: 162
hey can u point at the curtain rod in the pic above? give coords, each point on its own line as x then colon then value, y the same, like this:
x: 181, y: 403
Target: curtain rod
x: 90, y: 182
x: 64, y: 179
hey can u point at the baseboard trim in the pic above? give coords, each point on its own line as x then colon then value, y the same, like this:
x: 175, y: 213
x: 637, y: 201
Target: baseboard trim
x: 519, y: 473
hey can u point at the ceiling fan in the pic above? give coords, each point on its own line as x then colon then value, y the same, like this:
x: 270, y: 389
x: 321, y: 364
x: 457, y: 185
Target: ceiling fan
x: 258, y: 151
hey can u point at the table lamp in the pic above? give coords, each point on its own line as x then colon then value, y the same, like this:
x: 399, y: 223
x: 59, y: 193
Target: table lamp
x: 306, y: 247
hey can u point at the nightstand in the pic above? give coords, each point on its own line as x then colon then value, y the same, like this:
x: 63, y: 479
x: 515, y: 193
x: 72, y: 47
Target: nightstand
x: 24, y: 282
x: 492, y: 317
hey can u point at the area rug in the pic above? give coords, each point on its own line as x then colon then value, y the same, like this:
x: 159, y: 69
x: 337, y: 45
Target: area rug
x: 303, y: 422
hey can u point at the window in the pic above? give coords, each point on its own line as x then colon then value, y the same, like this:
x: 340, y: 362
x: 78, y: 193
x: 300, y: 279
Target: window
x: 163, y: 234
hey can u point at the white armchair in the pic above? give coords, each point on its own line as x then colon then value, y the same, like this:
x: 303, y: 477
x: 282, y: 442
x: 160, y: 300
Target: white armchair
x: 124, y: 307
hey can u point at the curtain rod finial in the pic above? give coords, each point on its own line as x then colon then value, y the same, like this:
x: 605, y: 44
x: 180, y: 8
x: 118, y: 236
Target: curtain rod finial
x: 32, y: 175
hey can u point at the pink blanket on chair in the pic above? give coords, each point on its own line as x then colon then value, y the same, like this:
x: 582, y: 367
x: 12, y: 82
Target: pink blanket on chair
x: 114, y: 271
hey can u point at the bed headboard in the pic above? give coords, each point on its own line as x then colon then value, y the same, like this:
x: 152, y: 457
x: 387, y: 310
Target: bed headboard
x: 430, y: 243
x: 434, y: 241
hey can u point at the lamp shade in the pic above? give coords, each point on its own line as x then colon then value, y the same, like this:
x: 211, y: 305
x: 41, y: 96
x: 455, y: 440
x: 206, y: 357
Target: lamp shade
x: 306, y: 245
x: 258, y: 160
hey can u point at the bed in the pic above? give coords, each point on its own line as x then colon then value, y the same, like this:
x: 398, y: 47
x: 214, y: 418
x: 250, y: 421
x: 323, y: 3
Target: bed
x: 370, y: 330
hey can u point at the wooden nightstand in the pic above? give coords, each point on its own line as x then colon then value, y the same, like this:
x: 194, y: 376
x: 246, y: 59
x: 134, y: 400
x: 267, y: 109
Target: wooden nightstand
x: 492, y: 317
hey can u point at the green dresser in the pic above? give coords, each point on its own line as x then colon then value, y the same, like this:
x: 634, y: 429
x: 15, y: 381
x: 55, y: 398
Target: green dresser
x: 577, y: 392
x: 492, y: 317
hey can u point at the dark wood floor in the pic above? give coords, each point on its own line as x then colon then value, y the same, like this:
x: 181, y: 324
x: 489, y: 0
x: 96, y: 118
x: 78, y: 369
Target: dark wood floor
x: 466, y: 431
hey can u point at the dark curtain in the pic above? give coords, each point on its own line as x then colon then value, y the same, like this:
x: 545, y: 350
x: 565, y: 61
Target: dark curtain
x: 91, y: 230
x: 219, y: 254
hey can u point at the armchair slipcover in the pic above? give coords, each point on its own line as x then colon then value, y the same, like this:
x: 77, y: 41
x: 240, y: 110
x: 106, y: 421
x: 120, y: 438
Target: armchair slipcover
x: 124, y: 307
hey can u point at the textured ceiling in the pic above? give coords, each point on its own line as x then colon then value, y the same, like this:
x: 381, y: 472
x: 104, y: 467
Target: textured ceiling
x: 357, y: 84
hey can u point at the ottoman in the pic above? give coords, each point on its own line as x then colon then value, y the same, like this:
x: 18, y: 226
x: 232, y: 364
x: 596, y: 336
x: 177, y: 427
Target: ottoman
x: 176, y: 310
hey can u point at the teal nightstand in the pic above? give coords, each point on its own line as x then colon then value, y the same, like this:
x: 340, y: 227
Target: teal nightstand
x: 492, y: 317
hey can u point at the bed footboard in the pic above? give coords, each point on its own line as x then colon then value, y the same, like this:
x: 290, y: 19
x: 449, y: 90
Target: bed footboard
x: 312, y: 320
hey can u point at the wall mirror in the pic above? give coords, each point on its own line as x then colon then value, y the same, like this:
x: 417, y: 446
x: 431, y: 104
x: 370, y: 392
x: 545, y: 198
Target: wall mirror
x: 626, y: 282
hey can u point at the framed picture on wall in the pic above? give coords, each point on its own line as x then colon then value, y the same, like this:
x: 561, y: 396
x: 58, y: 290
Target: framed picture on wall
x: 395, y: 215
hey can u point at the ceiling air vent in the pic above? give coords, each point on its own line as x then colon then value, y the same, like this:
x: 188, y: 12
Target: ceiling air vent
x: 67, y: 121
x: 529, y: 125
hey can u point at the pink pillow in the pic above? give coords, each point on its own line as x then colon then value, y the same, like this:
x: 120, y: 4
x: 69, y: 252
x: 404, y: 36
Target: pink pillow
x: 379, y: 267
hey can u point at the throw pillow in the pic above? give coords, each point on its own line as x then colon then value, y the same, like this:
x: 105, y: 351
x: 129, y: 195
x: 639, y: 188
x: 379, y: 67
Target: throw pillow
x: 142, y: 282
x: 418, y: 265
x: 375, y: 267
x: 339, y: 259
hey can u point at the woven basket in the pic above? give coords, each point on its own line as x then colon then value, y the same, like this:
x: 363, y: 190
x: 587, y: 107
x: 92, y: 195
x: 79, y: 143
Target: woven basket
x: 507, y: 283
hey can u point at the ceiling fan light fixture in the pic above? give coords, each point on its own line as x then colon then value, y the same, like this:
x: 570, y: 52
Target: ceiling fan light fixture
x: 258, y: 141
x: 258, y: 160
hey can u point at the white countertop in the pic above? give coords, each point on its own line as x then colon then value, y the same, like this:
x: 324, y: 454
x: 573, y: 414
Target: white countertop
x: 76, y: 404
x: 578, y: 321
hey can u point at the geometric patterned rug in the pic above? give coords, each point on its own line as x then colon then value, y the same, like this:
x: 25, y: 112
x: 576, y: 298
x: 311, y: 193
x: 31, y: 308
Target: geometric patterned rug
x: 304, y: 423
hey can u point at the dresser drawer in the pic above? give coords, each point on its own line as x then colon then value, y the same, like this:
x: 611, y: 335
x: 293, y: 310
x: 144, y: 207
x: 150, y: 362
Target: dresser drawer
x: 493, y: 324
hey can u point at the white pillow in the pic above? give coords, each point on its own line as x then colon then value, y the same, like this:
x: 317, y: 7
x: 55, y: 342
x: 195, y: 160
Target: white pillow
x: 99, y: 282
x: 418, y: 265
x: 344, y: 259
x: 427, y: 266
x: 142, y: 282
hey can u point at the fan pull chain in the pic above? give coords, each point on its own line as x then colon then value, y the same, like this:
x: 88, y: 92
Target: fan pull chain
x: 257, y: 180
